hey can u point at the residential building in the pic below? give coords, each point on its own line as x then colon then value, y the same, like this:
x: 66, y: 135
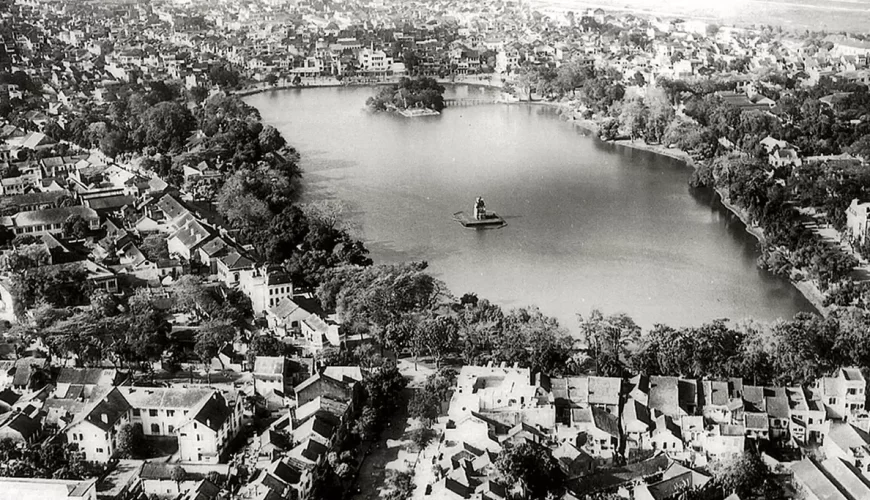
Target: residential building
x: 28, y: 488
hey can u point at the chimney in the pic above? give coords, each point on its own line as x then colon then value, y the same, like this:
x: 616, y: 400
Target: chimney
x: 105, y: 418
x: 208, y: 422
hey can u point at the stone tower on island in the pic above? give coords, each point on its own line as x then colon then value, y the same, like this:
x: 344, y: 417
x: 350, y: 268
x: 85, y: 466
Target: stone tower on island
x: 479, y: 209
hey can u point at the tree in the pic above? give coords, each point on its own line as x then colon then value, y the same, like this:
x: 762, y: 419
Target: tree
x: 154, y: 247
x: 527, y: 79
x: 75, y: 227
x: 424, y: 406
x: 131, y: 441
x: 59, y: 286
x: 422, y: 436
x: 271, y: 140
x: 436, y: 336
x: 166, y: 126
x: 211, y: 337
x: 265, y: 345
x: 366, y: 424
x: 223, y: 76
x: 198, y: 94
x: 400, y: 485
x: 27, y: 256
x: 271, y: 79
x: 532, y: 468
x: 634, y: 117
x: 113, y: 143
x: 746, y: 475
x: 383, y: 389
x: 177, y: 474
x: 607, y: 339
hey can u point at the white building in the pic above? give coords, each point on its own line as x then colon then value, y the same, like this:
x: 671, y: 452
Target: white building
x: 375, y: 61
x: 27, y: 488
x: 266, y: 288
x: 856, y: 220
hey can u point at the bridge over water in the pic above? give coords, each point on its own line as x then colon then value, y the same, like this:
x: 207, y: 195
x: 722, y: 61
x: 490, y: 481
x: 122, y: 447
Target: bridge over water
x: 467, y: 101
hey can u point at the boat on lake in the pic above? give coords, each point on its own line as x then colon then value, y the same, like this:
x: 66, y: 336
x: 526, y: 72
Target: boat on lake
x: 480, y: 218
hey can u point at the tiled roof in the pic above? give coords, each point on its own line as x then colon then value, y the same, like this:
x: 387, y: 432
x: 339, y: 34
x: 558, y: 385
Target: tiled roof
x: 273, y: 365
x: 53, y: 215
x: 214, y: 412
x: 108, y: 410
x: 161, y: 397
x: 86, y: 376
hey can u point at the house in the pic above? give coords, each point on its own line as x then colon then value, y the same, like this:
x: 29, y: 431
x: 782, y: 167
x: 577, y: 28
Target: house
x: 324, y: 385
x: 231, y: 266
x: 718, y: 404
x: 856, y: 221
x: 813, y: 480
x: 284, y: 478
x: 574, y: 461
x: 844, y: 394
x: 20, y: 426
x: 673, y: 396
x: 676, y: 479
x: 807, y: 416
x: 11, y: 205
x: 203, y: 420
x: 598, y: 432
x: 724, y: 441
x: 271, y: 374
x: 29, y: 374
x: 636, y: 424
x: 846, y: 477
x: 287, y: 315
x: 211, y: 427
x: 852, y: 445
x: 80, y: 382
x: 189, y: 235
x: 784, y: 157
x: 265, y: 287
x: 27, y: 488
x: 667, y: 436
x: 95, y: 428
x: 319, y: 334
x: 156, y: 480
x: 49, y: 220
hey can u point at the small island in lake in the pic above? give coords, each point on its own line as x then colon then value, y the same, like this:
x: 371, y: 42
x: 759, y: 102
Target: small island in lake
x: 481, y: 218
x: 421, y: 97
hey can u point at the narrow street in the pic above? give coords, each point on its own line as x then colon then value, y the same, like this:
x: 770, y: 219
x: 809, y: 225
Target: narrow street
x: 392, y: 450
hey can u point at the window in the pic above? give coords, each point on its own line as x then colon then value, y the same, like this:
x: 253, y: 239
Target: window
x: 170, y: 429
x: 152, y: 413
x: 136, y: 412
x: 198, y: 437
x: 170, y: 413
x: 155, y: 428
x: 99, y: 450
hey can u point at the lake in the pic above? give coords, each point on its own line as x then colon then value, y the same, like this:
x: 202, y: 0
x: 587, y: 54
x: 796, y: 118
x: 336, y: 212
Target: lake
x: 791, y: 15
x: 590, y: 224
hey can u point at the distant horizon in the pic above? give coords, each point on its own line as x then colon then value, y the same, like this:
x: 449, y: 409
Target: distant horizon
x: 835, y: 16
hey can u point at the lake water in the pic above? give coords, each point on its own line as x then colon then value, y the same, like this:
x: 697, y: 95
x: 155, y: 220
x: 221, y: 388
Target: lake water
x: 791, y: 15
x: 590, y: 224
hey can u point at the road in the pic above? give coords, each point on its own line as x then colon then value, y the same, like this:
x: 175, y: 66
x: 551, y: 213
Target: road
x: 392, y: 449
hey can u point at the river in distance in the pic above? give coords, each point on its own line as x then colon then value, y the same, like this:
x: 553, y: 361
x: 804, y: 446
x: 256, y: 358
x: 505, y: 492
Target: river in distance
x: 590, y: 224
